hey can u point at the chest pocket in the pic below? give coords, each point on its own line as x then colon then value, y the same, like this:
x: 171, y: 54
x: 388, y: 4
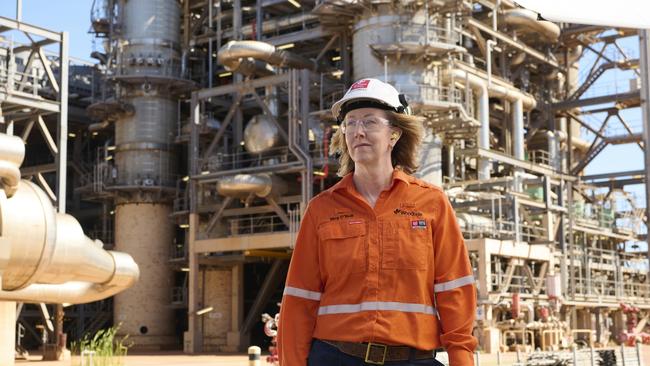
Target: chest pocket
x: 406, y: 244
x: 343, y: 247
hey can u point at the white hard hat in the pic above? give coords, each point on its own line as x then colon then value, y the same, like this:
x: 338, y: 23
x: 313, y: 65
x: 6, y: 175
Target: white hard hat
x: 367, y: 93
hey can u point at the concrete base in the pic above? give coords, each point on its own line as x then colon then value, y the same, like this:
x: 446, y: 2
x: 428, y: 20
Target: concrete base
x: 7, y: 333
x: 218, y: 324
x: 233, y: 342
x: 52, y: 353
x: 144, y: 311
x: 491, y: 340
x: 151, y: 343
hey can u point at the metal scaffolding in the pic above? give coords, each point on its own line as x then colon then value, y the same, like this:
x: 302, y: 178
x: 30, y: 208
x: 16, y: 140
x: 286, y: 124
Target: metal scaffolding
x: 513, y: 120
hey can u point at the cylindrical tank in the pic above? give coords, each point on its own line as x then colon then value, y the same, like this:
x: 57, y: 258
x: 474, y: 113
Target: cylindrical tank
x: 382, y: 28
x: 151, y: 19
x: 144, y: 142
x: 142, y: 231
x: 148, y: 58
x: 151, y: 38
x: 430, y: 159
x: 386, y: 28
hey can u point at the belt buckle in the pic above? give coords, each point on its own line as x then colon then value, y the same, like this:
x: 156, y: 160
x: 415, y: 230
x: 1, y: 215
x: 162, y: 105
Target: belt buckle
x: 370, y: 346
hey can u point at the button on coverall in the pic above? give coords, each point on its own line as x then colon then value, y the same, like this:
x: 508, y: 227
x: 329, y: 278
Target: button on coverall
x: 398, y: 274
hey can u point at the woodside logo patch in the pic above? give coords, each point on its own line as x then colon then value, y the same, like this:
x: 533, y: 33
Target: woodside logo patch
x: 399, y: 211
x: 361, y: 84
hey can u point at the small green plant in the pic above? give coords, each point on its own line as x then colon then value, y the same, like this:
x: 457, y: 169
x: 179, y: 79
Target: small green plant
x: 101, y: 349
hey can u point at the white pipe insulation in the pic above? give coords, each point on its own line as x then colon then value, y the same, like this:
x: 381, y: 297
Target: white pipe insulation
x: 526, y: 21
x: 12, y: 153
x: 518, y: 140
x: 496, y: 88
x: 518, y: 129
x: 234, y: 53
x: 484, y: 132
x: 45, y: 256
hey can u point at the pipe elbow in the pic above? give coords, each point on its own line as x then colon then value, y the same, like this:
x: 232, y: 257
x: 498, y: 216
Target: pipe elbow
x: 10, y: 175
x: 126, y: 272
x: 526, y: 20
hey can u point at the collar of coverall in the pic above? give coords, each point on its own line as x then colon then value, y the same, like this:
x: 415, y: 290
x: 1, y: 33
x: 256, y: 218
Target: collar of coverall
x: 347, y: 183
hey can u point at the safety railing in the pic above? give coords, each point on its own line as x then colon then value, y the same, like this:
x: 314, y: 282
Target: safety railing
x: 425, y: 34
x: 432, y: 94
x: 541, y: 157
x: 593, y: 215
x: 179, y: 295
x: 256, y: 224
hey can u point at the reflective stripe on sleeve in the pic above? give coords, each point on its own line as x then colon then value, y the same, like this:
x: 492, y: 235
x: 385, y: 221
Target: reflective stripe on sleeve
x: 450, y: 285
x: 376, y: 305
x: 305, y: 294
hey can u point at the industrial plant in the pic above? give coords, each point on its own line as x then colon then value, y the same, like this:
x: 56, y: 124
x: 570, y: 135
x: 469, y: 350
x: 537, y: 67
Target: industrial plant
x: 167, y: 178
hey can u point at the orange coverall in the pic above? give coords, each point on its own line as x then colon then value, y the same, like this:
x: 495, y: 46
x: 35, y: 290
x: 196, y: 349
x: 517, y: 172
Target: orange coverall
x: 398, y: 274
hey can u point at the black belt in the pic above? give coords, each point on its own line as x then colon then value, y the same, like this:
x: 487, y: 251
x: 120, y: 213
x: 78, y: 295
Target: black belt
x: 378, y: 354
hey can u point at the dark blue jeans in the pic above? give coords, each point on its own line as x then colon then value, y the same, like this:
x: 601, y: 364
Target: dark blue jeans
x: 323, y: 354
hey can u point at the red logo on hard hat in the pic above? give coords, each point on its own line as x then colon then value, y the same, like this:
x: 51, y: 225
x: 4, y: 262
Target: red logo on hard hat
x: 361, y: 84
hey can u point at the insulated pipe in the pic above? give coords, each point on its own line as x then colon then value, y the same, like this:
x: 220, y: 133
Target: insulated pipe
x: 480, y: 88
x: 76, y: 256
x: 42, y: 251
x: 526, y: 20
x: 484, y: 132
x: 518, y: 129
x: 232, y: 53
x: 498, y: 88
x: 10, y: 176
x: 94, y: 127
x: 125, y: 274
x: 518, y: 139
x: 12, y: 153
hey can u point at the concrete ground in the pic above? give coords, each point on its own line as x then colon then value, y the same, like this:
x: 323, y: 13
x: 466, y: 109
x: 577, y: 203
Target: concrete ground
x: 179, y: 359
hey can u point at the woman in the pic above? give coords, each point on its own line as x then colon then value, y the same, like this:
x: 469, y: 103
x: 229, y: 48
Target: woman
x: 380, y: 273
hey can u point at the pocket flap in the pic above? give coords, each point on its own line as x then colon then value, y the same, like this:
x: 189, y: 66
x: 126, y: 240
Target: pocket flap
x: 342, y: 230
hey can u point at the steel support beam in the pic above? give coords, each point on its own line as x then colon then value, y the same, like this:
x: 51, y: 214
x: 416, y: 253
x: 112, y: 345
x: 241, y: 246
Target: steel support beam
x: 512, y: 42
x: 245, y: 85
x: 9, y: 24
x: 305, y: 35
x: 271, y: 282
x: 612, y: 98
x: 644, y: 65
x: 62, y: 131
x: 194, y: 333
x: 507, y: 159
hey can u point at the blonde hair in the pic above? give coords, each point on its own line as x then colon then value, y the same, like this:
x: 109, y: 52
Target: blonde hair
x: 405, y: 153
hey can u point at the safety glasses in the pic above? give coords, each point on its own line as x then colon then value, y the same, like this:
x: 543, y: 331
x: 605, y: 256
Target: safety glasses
x: 369, y: 124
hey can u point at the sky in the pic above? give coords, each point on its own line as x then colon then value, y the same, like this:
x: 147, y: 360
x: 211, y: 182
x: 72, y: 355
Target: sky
x: 73, y: 16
